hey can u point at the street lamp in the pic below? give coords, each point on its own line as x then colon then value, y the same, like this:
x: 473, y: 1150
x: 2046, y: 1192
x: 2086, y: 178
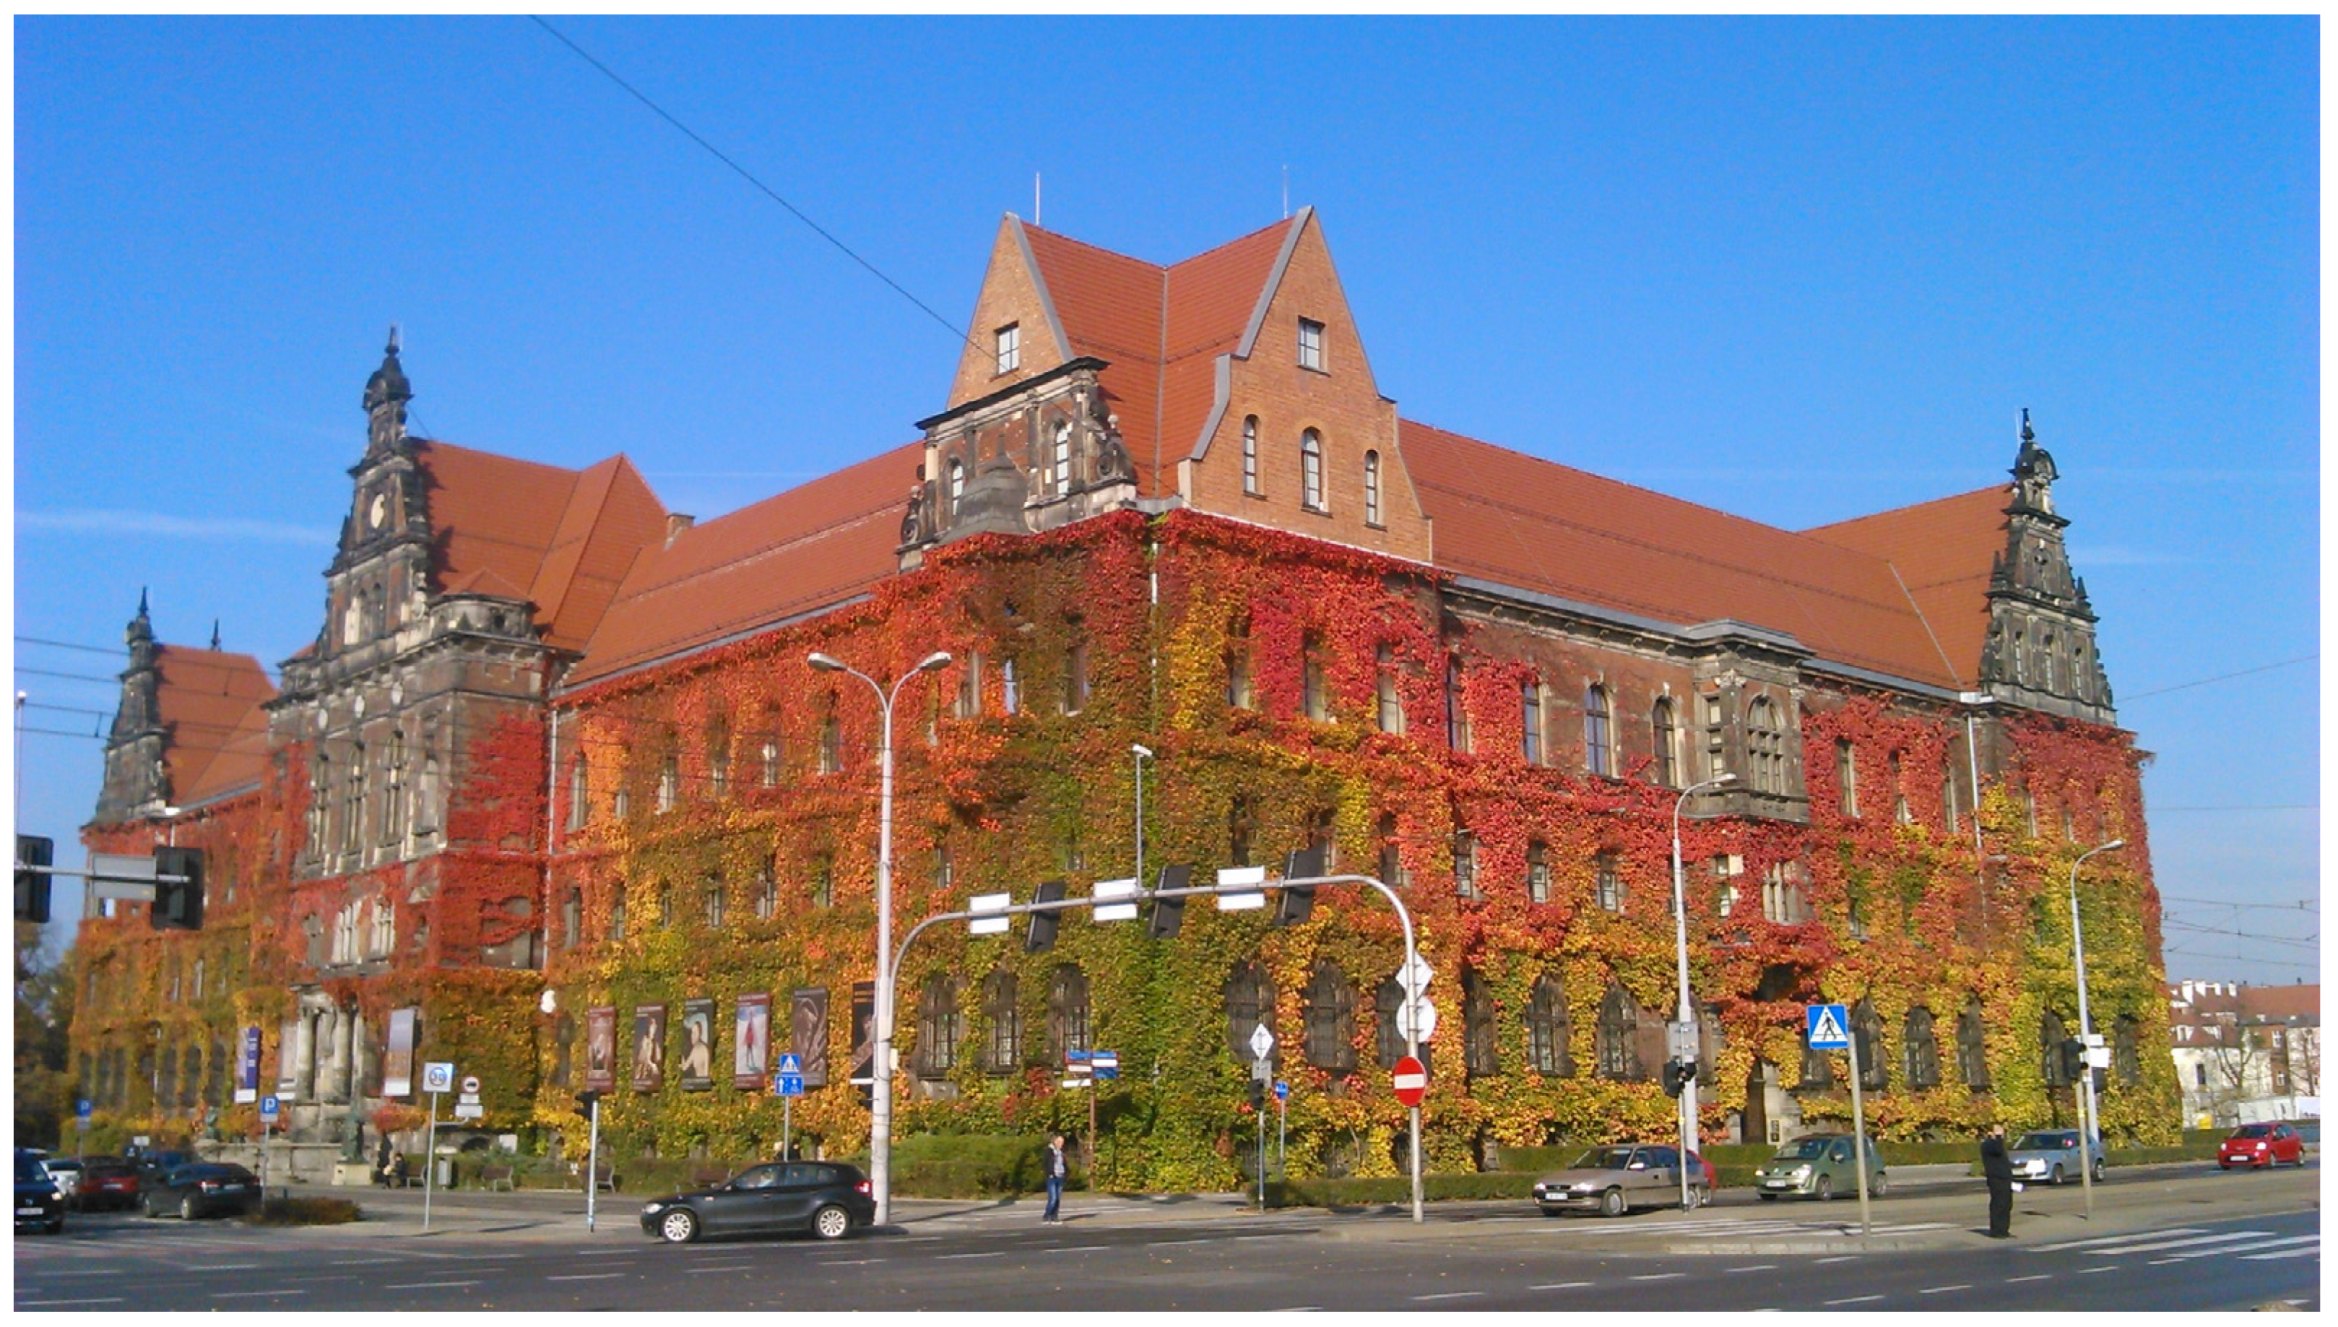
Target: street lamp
x: 881, y: 1072
x: 1142, y: 753
x: 2087, y: 1126
x: 1680, y: 937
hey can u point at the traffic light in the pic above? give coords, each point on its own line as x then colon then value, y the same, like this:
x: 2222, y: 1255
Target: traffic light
x: 1258, y: 1094
x: 177, y: 905
x: 1041, y: 936
x: 32, y: 887
x: 586, y: 1101
x: 1678, y: 1074
x: 2073, y: 1060
x: 1169, y: 913
x: 1298, y: 901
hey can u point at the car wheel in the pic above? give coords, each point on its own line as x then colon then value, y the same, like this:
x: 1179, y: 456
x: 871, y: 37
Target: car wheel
x: 187, y: 1208
x: 679, y: 1226
x: 1695, y: 1200
x: 1880, y: 1186
x: 2055, y: 1179
x: 151, y: 1209
x: 831, y: 1222
x: 1826, y: 1188
x: 2098, y: 1170
x: 1612, y: 1203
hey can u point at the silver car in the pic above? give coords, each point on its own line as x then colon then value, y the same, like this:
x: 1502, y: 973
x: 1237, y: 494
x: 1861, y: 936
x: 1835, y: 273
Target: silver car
x: 1614, y: 1179
x: 2050, y: 1156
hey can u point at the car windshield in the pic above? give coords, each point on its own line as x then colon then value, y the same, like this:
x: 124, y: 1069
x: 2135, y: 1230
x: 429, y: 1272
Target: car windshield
x: 2042, y: 1142
x: 2255, y: 1131
x: 1806, y: 1150
x: 1604, y: 1158
x: 29, y: 1171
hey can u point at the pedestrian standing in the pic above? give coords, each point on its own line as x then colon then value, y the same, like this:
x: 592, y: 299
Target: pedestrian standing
x: 1057, y: 1168
x: 1997, y: 1168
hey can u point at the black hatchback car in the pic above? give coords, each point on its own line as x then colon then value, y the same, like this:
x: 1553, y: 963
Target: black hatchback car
x: 37, y: 1202
x: 204, y: 1188
x: 828, y: 1198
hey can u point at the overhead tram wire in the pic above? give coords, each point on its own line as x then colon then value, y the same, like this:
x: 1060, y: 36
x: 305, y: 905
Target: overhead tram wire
x: 749, y: 176
x: 2223, y: 677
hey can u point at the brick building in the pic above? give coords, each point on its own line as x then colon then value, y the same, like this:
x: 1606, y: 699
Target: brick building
x: 556, y: 777
x: 2235, y: 1043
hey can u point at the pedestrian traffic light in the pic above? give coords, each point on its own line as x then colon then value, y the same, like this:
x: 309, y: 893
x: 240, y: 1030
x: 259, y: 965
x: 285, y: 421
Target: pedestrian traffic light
x: 1299, y: 900
x: 586, y: 1101
x: 32, y: 887
x: 1041, y: 936
x: 2073, y: 1060
x: 1169, y: 913
x: 178, y: 904
x: 1677, y: 1076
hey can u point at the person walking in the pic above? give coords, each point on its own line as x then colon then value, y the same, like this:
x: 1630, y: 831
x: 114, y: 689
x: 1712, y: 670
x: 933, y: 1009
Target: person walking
x: 1057, y: 1168
x: 1997, y: 1168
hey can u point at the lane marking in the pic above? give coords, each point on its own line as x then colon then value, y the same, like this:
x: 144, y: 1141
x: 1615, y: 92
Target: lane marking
x: 1078, y: 1248
x: 1840, y: 1257
x: 587, y: 1276
x: 1449, y: 1294
x: 62, y: 1303
x: 1561, y: 1285
x: 2114, y: 1239
x: 1756, y: 1267
x: 253, y: 1294
x: 226, y: 1267
x: 2017, y: 1280
x: 2315, y: 1252
x: 1001, y: 1253
x: 430, y: 1285
x: 2157, y: 1245
x: 364, y: 1262
x: 852, y: 1262
x: 1172, y: 1243
x: 1855, y: 1299
x: 1942, y: 1290
x: 726, y: 1267
x: 1660, y: 1276
x: 2090, y: 1271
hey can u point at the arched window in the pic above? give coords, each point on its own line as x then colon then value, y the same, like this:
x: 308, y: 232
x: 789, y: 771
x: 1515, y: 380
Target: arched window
x: 1530, y: 722
x: 1920, y: 1050
x: 1867, y: 1035
x: 1765, y: 746
x: 1314, y: 695
x: 1250, y: 455
x: 579, y: 804
x: 1311, y: 470
x: 1331, y: 1020
x: 1846, y: 777
x: 1067, y: 1012
x: 1390, y: 705
x: 383, y: 939
x: 1250, y: 1001
x: 1664, y: 731
x: 1547, y: 1028
x: 937, y: 1027
x: 2052, y: 1032
x: 669, y: 781
x: 718, y: 761
x: 1598, y: 747
x: 191, y: 1076
x: 1477, y: 1027
x: 1456, y: 713
x: 394, y: 789
x: 1003, y: 1052
x: 320, y: 788
x: 353, y: 801
x: 1371, y: 488
x: 771, y: 763
x: 1538, y: 872
x: 1010, y: 687
x: 831, y: 741
x: 1619, y: 1036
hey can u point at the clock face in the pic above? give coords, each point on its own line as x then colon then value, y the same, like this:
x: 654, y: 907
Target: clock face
x: 379, y: 509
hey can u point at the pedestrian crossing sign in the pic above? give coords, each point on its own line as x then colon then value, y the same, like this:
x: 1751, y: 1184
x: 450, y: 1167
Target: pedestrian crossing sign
x: 1829, y: 1028
x: 790, y: 1064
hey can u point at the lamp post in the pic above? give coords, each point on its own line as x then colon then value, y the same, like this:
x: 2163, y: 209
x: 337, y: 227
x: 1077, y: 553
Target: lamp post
x: 2087, y: 1126
x: 1142, y: 753
x: 881, y: 1071
x: 1680, y: 938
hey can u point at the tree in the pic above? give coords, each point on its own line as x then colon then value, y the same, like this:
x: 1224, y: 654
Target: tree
x: 44, y: 1011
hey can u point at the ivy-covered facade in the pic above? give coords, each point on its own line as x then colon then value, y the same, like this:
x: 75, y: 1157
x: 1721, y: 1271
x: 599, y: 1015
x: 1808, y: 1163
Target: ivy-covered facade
x: 645, y: 860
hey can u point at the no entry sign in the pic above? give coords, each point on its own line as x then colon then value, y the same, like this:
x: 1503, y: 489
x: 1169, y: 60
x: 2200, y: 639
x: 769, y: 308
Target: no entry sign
x: 1411, y: 1080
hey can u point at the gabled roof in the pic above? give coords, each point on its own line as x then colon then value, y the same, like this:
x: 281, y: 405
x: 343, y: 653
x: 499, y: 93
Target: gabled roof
x: 1943, y: 551
x: 1160, y: 329
x: 1517, y: 520
x: 805, y: 549
x: 210, y: 703
x: 558, y: 538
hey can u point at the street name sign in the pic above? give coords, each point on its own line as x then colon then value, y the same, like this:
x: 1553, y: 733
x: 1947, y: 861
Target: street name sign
x: 1245, y: 900
x: 982, y: 903
x: 1124, y: 908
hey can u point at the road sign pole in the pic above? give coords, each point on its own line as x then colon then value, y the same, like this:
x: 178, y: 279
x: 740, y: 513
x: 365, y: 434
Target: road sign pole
x: 592, y: 1163
x: 787, y: 1128
x: 429, y: 1162
x: 1091, y: 1148
x: 1262, y: 1155
x: 1858, y: 1134
x: 1282, y: 1129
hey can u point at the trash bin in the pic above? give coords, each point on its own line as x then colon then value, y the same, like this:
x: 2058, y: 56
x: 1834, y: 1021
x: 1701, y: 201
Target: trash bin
x: 445, y: 1178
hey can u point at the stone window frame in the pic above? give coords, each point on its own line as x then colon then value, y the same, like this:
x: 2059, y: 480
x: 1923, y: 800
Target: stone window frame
x: 1664, y: 739
x: 1531, y: 738
x: 1618, y: 1036
x: 1003, y: 1046
x: 1847, y: 777
x: 940, y: 1026
x: 1465, y: 864
x: 1598, y: 732
x: 1920, y: 1049
x: 1765, y: 745
x: 1548, y: 1028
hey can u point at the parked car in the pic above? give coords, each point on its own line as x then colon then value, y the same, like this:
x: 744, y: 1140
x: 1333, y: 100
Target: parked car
x: 152, y: 1166
x: 2267, y: 1145
x: 1615, y: 1178
x: 65, y: 1173
x: 107, y: 1182
x: 828, y: 1198
x: 2309, y: 1132
x: 1821, y: 1165
x: 203, y: 1188
x: 37, y: 1203
x: 2051, y: 1156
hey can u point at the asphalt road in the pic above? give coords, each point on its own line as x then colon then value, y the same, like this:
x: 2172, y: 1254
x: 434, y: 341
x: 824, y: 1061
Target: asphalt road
x: 2183, y: 1242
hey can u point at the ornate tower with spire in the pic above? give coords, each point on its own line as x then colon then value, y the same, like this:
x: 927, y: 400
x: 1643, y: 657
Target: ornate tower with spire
x: 2041, y: 647
x: 137, y: 782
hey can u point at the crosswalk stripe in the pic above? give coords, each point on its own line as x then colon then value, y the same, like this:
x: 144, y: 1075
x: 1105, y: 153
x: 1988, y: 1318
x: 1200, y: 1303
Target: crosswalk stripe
x: 2111, y: 1239
x: 2268, y: 1244
x: 2314, y: 1252
x: 2191, y: 1242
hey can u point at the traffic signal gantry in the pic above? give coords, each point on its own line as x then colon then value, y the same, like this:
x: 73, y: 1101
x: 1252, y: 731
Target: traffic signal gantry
x: 171, y: 881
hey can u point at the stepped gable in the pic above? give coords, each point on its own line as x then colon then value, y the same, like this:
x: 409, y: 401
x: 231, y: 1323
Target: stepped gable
x: 1510, y: 518
x: 209, y: 702
x: 1159, y: 329
x: 801, y: 550
x: 559, y: 538
x: 1942, y: 550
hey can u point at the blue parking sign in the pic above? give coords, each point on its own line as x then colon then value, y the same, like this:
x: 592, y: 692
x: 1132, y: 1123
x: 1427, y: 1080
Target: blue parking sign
x: 268, y: 1110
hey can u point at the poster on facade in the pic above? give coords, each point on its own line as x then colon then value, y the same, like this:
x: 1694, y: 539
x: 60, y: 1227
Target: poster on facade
x: 288, y: 1059
x: 808, y: 1033
x: 697, y: 1067
x: 601, y: 1048
x: 864, y: 1026
x: 398, y: 1067
x: 751, y: 1042
x: 649, y: 1047
x: 247, y: 1068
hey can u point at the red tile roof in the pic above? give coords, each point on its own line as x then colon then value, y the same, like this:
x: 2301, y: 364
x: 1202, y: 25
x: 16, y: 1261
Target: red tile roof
x: 210, y: 703
x: 1942, y: 550
x: 1514, y: 519
x: 1160, y: 329
x: 804, y: 549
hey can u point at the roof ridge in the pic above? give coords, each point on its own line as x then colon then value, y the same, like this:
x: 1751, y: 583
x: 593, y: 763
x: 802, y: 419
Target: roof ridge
x: 442, y: 444
x: 1813, y: 530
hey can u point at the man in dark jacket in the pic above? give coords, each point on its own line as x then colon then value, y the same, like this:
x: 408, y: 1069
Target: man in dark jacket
x: 1997, y: 1168
x: 1056, y: 1167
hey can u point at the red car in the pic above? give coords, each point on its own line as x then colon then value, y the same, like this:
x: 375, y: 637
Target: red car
x: 2261, y: 1145
x: 105, y: 1185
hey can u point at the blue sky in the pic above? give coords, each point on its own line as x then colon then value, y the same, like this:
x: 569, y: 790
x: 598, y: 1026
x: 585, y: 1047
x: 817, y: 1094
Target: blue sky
x: 1799, y: 270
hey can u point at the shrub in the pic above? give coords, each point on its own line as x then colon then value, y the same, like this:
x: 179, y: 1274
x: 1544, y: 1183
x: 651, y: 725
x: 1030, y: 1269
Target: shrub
x: 306, y: 1212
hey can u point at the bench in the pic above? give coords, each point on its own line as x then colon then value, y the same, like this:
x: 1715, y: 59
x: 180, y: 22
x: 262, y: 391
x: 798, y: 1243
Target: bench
x: 706, y: 1177
x: 494, y: 1176
x: 604, y: 1175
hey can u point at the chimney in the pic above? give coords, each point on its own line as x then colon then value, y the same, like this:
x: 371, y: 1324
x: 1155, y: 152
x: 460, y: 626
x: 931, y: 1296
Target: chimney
x: 676, y: 523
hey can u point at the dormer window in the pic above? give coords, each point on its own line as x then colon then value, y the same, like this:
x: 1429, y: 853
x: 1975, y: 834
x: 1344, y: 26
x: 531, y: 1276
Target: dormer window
x: 1010, y: 347
x: 1311, y: 344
